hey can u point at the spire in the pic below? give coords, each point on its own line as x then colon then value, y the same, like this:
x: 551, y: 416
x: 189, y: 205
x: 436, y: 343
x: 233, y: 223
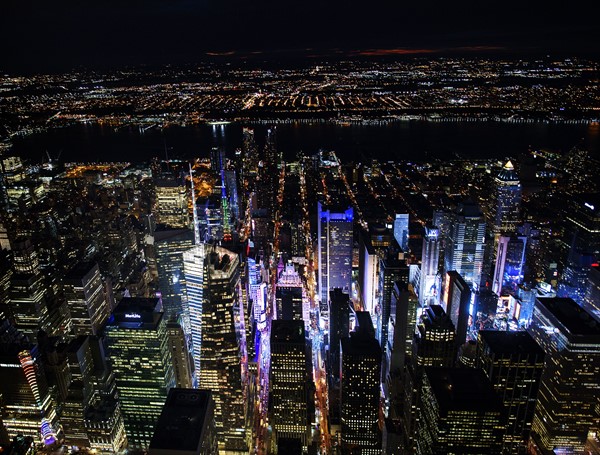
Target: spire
x: 509, y: 166
x: 194, y: 213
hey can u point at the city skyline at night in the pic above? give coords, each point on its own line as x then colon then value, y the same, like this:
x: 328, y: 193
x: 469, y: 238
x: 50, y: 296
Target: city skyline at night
x: 314, y: 228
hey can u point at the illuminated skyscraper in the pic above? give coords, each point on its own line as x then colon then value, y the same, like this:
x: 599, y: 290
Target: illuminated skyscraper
x: 401, y: 230
x: 507, y: 206
x: 465, y: 244
x: 436, y: 346
x: 457, y: 298
x: 213, y: 289
x: 257, y: 289
x: 373, y: 246
x: 171, y: 203
x: 461, y: 413
x: 514, y: 363
x: 84, y: 292
x: 510, y: 259
x: 360, y: 390
x: 169, y: 245
x: 368, y: 277
x: 27, y: 405
x: 430, y: 283
x: 289, y: 379
x: 568, y: 398
x: 31, y: 303
x: 186, y: 425
x: 583, y: 223
x: 138, y: 352
x: 288, y: 296
x: 335, y: 234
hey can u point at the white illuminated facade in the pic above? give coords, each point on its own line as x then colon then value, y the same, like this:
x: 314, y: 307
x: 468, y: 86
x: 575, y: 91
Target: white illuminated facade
x: 429, y: 283
x: 218, y: 337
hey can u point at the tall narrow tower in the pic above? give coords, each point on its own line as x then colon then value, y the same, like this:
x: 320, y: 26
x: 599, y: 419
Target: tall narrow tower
x: 465, y: 245
x: 429, y: 284
x: 508, y: 200
x: 335, y: 231
x: 213, y: 289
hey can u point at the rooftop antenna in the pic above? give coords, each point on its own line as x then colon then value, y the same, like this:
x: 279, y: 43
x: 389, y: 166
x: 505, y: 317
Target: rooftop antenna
x: 194, y: 213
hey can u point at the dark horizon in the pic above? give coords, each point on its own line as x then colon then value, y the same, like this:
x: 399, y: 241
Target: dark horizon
x: 42, y: 37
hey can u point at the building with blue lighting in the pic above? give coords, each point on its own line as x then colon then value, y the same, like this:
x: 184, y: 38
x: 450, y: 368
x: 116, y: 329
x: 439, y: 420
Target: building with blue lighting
x: 335, y: 242
x: 401, y: 230
x: 505, y: 212
x: 465, y: 245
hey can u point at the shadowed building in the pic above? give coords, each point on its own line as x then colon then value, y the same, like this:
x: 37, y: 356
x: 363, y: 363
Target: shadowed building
x: 461, y: 413
x: 186, y: 425
x: 514, y: 363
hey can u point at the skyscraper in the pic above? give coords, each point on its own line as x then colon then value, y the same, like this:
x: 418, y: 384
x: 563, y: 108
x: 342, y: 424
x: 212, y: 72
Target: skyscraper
x: 568, y: 397
x: 288, y: 296
x: 368, y: 278
x: 169, y: 245
x: 213, y: 289
x: 180, y: 356
x: 289, y: 378
x: 339, y: 328
x: 465, y: 245
x: 401, y: 230
x: 335, y: 242
x: 574, y: 280
x: 137, y: 349
x: 457, y: 298
x: 171, y: 203
x: 392, y: 269
x: 583, y: 223
x: 436, y: 345
x: 514, y: 363
x: 507, y: 195
x: 361, y: 373
x: 461, y: 413
x: 430, y: 283
x: 510, y: 259
x: 186, y: 425
x: 27, y: 405
x: 31, y: 303
x: 87, y: 303
x: 401, y: 334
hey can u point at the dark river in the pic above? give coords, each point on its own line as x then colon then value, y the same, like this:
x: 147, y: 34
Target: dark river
x: 402, y: 140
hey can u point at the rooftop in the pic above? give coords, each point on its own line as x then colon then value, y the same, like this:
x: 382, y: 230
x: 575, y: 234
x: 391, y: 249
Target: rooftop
x: 463, y: 389
x: 136, y: 313
x: 287, y: 331
x: 181, y: 423
x: 576, y: 320
x: 508, y: 173
x: 502, y: 342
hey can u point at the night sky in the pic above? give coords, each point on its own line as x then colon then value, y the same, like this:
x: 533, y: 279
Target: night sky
x: 62, y: 34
